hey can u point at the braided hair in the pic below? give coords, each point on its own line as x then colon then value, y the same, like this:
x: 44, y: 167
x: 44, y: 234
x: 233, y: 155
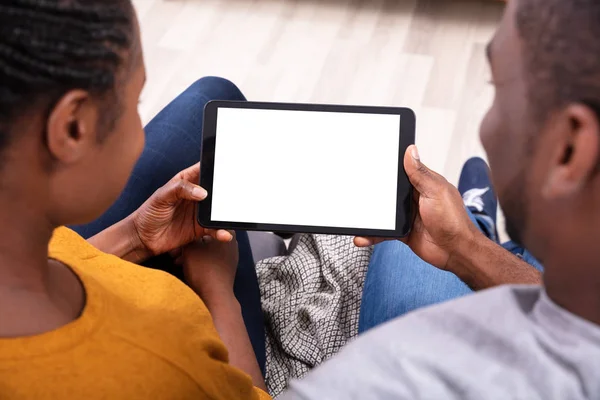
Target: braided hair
x: 48, y: 47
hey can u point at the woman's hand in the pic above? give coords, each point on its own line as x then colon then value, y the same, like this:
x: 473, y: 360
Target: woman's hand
x: 209, y: 267
x: 167, y: 220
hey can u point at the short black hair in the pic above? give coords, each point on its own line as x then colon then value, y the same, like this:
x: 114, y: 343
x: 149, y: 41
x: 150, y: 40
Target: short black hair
x: 561, y: 49
x: 48, y: 47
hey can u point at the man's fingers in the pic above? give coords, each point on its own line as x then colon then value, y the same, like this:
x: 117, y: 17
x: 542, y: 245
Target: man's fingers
x: 360, y: 241
x: 425, y: 181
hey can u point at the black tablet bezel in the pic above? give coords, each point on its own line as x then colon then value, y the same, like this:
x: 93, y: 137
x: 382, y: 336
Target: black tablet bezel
x: 404, y: 192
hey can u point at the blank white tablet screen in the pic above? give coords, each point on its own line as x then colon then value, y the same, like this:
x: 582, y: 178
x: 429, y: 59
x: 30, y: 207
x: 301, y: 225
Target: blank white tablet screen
x: 309, y: 168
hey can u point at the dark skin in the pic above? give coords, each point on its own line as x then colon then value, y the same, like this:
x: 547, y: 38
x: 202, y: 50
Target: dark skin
x: 555, y: 212
x: 549, y: 192
x: 163, y: 224
x: 60, y: 169
x: 212, y: 279
x: 442, y: 234
x: 561, y: 218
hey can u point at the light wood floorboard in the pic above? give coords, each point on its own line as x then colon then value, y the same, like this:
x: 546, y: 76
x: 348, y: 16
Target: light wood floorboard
x: 424, y: 54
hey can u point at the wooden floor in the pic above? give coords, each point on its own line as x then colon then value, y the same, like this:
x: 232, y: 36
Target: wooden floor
x: 424, y: 54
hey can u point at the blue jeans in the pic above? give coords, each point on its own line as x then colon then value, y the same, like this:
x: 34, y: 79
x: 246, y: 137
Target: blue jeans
x: 173, y: 141
x: 398, y: 281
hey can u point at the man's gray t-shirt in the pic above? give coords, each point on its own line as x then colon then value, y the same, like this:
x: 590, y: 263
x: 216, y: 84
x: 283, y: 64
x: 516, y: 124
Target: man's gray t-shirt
x: 510, y: 342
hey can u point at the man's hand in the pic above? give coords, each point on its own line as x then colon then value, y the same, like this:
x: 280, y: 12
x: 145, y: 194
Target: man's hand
x: 442, y: 226
x: 444, y: 236
x: 209, y: 267
x: 167, y: 220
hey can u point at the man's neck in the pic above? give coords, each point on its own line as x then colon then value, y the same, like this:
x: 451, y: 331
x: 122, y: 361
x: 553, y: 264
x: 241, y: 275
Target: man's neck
x: 575, y: 289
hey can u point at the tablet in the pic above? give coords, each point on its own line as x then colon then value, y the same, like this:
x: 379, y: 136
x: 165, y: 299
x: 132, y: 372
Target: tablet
x: 306, y: 168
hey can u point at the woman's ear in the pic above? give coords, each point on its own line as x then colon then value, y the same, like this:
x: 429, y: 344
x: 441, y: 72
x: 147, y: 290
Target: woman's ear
x: 576, y: 152
x: 71, y: 127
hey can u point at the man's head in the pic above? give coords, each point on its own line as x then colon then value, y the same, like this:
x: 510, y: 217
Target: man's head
x: 542, y: 133
x: 71, y: 72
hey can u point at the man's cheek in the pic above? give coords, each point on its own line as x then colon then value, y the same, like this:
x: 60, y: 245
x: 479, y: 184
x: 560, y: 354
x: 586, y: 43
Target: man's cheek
x: 488, y: 131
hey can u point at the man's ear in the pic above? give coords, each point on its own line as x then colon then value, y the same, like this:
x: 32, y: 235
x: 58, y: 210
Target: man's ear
x: 575, y: 160
x: 71, y: 127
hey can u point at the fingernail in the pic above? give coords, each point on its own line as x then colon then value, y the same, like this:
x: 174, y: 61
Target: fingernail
x: 414, y: 153
x: 207, y: 239
x: 199, y: 193
x: 362, y: 242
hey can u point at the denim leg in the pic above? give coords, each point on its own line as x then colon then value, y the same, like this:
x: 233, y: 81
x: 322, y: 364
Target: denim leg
x: 398, y: 281
x: 523, y: 254
x: 173, y: 142
x: 485, y: 224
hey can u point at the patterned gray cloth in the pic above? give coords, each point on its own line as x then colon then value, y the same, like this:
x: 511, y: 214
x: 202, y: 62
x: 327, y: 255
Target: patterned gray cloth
x: 311, y: 301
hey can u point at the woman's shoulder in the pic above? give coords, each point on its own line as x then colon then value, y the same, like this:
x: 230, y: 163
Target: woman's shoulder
x: 133, y: 296
x: 67, y: 243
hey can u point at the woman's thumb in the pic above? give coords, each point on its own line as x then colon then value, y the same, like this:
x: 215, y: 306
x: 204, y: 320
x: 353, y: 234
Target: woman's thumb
x: 185, y: 190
